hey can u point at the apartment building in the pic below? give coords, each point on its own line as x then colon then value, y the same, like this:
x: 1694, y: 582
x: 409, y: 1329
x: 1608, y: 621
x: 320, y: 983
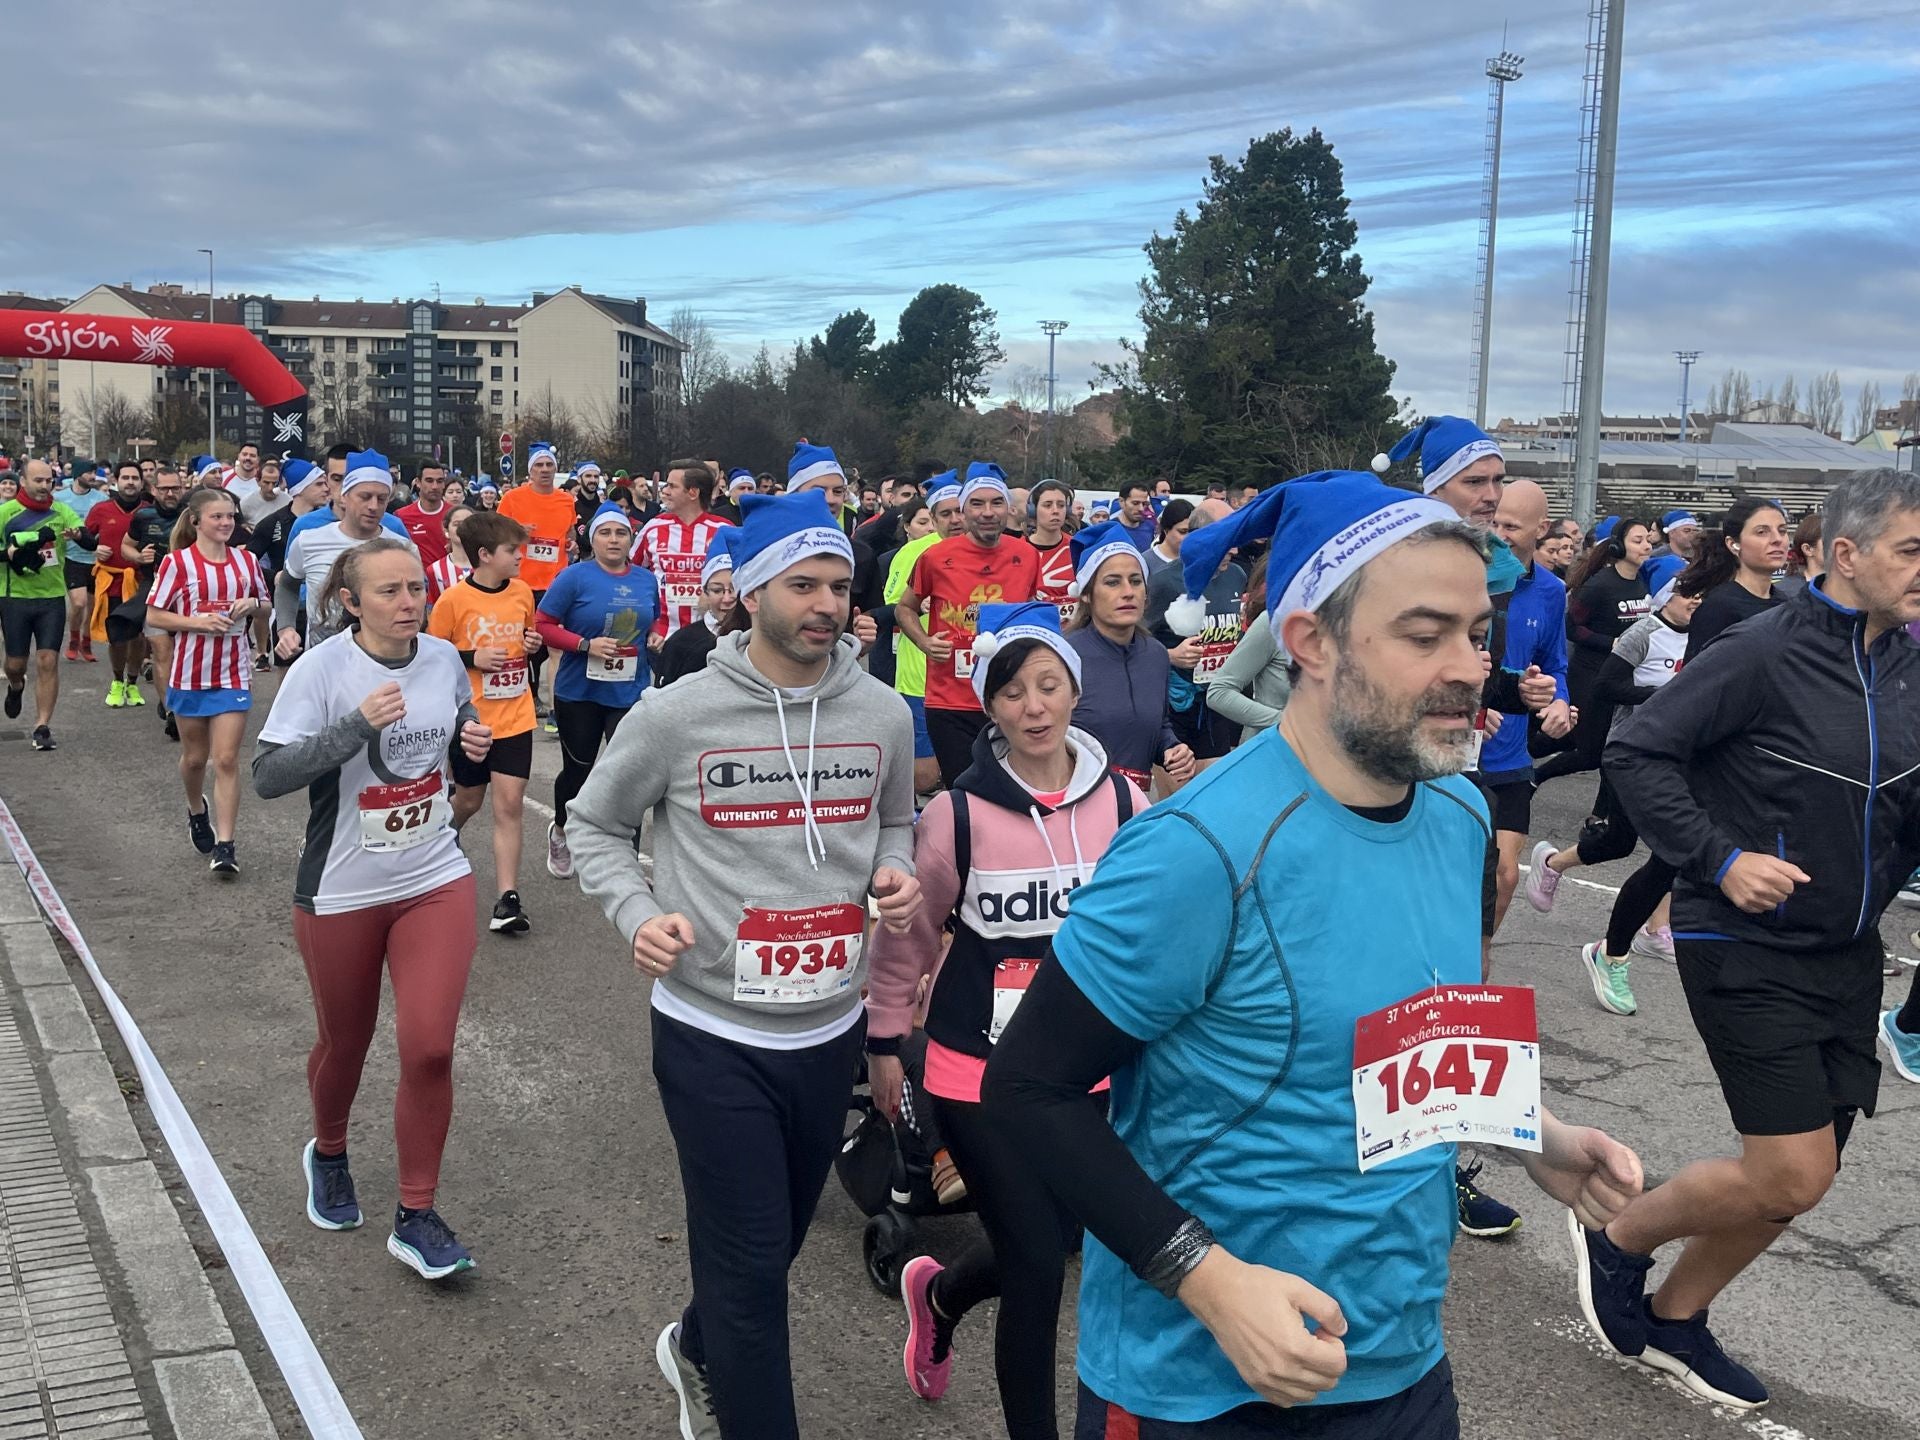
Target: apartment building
x: 412, y: 374
x: 29, y: 389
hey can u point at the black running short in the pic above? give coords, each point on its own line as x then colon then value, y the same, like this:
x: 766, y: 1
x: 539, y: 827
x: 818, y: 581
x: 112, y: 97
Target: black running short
x: 510, y: 755
x: 1511, y: 801
x: 79, y: 574
x: 30, y: 625
x: 1790, y: 1034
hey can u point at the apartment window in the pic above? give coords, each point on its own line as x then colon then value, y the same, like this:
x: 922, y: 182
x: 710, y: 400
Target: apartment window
x: 326, y: 368
x: 496, y: 375
x: 326, y: 345
x: 353, y: 368
x: 494, y: 350
x: 516, y: 374
x: 256, y: 315
x: 469, y: 347
x: 422, y: 318
x: 398, y: 417
x: 496, y: 397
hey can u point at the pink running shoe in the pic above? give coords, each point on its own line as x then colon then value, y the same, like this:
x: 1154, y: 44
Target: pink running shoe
x: 1543, y: 881
x: 1653, y: 944
x: 929, y: 1349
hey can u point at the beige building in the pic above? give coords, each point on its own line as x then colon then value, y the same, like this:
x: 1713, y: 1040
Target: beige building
x: 29, y: 389
x: 407, y: 374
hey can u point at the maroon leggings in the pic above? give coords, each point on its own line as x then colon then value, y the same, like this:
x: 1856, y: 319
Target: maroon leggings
x: 426, y: 944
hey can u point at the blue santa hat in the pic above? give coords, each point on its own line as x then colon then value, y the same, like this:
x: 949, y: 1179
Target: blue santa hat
x: 809, y: 463
x: 1092, y: 547
x: 737, y: 478
x: 1674, y: 519
x: 608, y: 514
x: 201, y: 464
x: 999, y: 625
x: 487, y: 487
x: 942, y: 487
x: 298, y: 474
x: 1324, y: 526
x: 777, y: 532
x: 1660, y: 572
x: 983, y: 475
x: 538, y: 449
x: 719, y: 552
x: 1604, y: 530
x: 367, y: 467
x: 586, y: 468
x: 1447, y: 445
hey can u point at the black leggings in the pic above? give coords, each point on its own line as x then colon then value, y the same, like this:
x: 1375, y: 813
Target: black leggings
x: 1639, y: 897
x: 584, y: 726
x: 1608, y: 833
x: 1021, y: 1259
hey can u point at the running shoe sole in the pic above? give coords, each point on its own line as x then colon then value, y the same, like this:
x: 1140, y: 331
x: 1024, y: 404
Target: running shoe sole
x: 313, y: 1214
x: 1648, y: 948
x: 509, y: 924
x: 43, y: 741
x: 663, y: 1357
x: 554, y: 870
x: 1596, y: 975
x: 1893, y: 1051
x: 1583, y: 1274
x: 1683, y: 1373
x: 416, y: 1262
x: 1908, y: 898
x: 1499, y: 1233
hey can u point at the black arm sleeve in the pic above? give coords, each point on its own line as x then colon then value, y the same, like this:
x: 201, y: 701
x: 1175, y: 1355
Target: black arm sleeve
x: 1057, y: 1047
x: 1614, y: 685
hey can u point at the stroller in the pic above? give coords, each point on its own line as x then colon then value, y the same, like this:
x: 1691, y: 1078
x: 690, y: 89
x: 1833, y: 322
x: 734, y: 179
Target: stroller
x: 887, y: 1170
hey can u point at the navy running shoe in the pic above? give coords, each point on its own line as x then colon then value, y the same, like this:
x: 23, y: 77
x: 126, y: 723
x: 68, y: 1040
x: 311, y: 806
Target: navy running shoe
x: 200, y: 831
x: 1686, y: 1350
x: 1481, y: 1214
x: 331, y: 1203
x: 422, y: 1242
x: 1612, y: 1285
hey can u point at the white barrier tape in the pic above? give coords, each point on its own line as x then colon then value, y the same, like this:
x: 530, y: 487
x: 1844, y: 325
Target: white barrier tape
x: 306, y: 1374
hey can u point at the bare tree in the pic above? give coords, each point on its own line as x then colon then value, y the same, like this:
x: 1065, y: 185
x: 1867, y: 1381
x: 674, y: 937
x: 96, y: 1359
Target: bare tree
x: 1786, y: 406
x: 1827, y: 403
x: 1025, y: 417
x: 701, y: 363
x: 549, y: 419
x: 107, y: 421
x: 1866, y: 410
x: 1732, y: 396
x: 1909, y: 397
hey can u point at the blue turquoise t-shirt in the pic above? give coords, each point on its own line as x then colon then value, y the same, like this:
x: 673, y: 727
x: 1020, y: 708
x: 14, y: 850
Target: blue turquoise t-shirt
x: 591, y: 600
x: 1241, y: 1103
x: 80, y: 502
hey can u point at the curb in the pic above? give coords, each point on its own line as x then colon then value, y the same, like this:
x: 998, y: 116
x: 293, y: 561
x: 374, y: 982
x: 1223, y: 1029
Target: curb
x: 183, y: 1337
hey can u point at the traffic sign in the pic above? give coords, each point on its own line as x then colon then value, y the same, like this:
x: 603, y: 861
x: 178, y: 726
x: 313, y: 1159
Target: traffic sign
x: 506, y: 442
x: 506, y: 464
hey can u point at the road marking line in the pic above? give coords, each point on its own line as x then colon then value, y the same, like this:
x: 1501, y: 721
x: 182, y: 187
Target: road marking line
x: 309, y: 1381
x: 1574, y: 1328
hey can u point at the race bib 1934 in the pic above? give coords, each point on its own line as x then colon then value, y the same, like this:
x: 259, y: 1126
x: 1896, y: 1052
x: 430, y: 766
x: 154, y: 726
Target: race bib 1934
x: 796, y: 956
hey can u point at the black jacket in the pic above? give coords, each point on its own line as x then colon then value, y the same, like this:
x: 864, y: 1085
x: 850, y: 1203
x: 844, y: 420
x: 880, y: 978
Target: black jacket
x: 1787, y: 737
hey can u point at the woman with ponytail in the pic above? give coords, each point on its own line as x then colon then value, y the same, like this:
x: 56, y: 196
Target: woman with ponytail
x: 1605, y: 595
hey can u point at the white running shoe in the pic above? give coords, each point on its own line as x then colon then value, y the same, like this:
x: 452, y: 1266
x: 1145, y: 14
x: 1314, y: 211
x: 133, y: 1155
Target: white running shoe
x: 1543, y: 881
x: 1653, y: 944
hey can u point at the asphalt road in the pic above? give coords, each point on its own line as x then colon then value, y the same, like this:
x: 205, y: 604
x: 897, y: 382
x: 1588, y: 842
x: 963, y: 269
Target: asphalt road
x: 560, y: 1175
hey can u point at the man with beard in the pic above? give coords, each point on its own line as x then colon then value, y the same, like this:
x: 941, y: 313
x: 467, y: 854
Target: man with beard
x: 114, y: 581
x: 1238, y: 1191
x: 148, y: 539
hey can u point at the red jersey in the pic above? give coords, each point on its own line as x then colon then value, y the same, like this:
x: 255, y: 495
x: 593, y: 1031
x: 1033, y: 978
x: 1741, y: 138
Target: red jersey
x: 443, y: 574
x: 956, y: 577
x: 109, y: 523
x: 427, y: 529
x: 1056, y: 574
x: 674, y: 550
x: 188, y: 583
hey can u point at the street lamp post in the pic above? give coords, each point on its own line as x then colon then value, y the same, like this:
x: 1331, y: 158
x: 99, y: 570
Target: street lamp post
x: 213, y: 448
x: 1053, y: 329
x: 1686, y: 359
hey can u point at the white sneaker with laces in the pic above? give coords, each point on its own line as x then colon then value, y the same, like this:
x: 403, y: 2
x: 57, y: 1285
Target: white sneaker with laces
x: 1653, y: 944
x: 559, y: 857
x: 1543, y: 881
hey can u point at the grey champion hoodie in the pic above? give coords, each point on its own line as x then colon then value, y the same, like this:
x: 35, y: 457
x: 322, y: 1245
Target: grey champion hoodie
x: 768, y: 810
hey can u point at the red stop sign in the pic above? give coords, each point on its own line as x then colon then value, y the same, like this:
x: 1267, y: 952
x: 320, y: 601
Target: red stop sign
x: 506, y: 442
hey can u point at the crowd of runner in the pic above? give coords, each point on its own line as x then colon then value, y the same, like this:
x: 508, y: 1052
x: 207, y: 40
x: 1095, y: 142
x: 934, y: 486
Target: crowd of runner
x: 994, y: 718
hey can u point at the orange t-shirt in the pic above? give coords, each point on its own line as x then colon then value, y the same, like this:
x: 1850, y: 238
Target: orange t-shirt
x: 549, y: 520
x: 470, y: 618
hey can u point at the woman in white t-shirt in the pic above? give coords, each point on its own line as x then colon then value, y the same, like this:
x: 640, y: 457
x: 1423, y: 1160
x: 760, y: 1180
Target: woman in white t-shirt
x: 363, y: 723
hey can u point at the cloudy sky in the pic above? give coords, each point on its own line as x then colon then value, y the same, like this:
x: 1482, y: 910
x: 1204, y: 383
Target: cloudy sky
x: 773, y: 164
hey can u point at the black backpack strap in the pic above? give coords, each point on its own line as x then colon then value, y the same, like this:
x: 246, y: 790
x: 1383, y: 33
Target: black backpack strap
x: 1122, y: 795
x: 962, y: 838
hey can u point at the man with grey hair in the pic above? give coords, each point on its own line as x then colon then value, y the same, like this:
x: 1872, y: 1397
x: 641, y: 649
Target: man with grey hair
x: 1780, y: 771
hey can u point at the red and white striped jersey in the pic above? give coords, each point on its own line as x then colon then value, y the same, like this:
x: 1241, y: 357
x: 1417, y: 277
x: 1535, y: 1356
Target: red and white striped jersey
x: 188, y: 583
x: 443, y: 574
x: 674, y: 550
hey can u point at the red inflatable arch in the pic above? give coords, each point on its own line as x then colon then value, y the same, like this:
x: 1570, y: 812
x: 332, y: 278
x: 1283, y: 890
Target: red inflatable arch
x: 188, y: 343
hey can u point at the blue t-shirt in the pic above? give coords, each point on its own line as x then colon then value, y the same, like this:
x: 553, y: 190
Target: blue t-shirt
x: 80, y: 502
x: 1536, y: 635
x: 589, y: 600
x: 1241, y: 1103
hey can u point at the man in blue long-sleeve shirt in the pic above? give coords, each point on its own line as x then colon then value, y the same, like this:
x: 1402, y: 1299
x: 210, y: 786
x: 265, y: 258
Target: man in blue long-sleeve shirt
x: 1536, y: 644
